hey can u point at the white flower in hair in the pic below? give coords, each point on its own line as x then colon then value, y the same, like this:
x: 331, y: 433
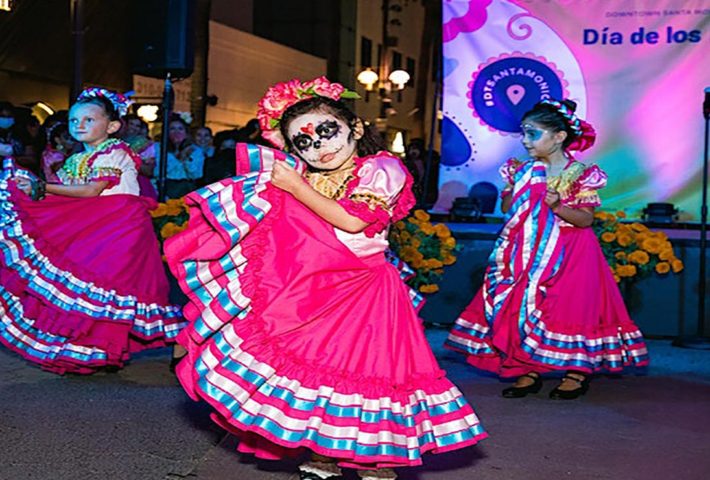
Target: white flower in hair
x: 185, y: 116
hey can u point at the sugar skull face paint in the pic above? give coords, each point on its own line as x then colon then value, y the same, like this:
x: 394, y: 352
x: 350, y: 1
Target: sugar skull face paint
x: 322, y: 140
x: 538, y: 141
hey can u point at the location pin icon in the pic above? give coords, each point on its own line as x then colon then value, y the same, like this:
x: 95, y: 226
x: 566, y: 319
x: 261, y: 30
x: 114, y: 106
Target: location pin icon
x: 515, y: 93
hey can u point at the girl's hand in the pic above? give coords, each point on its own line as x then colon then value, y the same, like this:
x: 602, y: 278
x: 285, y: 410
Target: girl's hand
x: 552, y: 199
x: 24, y: 184
x: 285, y: 177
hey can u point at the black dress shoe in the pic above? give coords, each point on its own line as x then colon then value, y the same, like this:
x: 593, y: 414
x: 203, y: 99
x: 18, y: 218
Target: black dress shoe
x: 520, y: 392
x: 558, y: 394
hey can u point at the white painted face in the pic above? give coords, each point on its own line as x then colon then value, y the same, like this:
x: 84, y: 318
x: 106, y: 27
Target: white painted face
x: 324, y: 141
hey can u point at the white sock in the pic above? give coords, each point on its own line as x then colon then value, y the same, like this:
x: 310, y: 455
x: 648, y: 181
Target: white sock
x: 379, y: 474
x: 322, y: 469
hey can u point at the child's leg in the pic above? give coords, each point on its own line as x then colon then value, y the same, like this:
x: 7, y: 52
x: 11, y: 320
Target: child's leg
x: 379, y: 474
x: 320, y: 467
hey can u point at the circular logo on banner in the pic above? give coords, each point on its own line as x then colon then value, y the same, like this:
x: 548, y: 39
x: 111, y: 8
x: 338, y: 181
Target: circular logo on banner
x: 505, y: 88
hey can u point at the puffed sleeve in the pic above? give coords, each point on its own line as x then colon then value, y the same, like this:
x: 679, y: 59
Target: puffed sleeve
x: 109, y: 167
x: 380, y: 193
x: 586, y: 187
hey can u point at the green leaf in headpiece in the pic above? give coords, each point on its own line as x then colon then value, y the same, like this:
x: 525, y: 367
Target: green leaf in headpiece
x: 273, y: 122
x: 349, y: 94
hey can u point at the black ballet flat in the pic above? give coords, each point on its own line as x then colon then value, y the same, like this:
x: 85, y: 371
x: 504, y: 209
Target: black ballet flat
x: 558, y: 394
x: 520, y: 392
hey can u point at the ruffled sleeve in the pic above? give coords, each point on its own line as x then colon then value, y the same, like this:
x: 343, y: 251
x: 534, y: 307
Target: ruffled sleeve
x: 109, y: 167
x: 380, y: 192
x: 585, y: 189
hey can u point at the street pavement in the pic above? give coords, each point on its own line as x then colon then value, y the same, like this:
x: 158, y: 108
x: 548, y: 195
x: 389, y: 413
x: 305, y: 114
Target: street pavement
x: 138, y: 424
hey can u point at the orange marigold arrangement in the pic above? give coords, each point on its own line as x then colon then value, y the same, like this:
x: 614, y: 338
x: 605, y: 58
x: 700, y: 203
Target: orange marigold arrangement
x: 426, y: 247
x: 632, y: 250
x: 169, y: 218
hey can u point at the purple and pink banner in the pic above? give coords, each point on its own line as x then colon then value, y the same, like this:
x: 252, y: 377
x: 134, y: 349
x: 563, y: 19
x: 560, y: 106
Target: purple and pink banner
x: 637, y: 70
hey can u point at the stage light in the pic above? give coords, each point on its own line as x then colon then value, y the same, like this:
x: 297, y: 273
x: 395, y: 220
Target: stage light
x: 398, y: 144
x: 149, y: 113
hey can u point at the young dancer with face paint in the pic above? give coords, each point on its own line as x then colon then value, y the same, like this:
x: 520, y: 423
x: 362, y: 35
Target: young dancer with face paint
x: 83, y: 284
x: 549, y: 301
x: 302, y: 335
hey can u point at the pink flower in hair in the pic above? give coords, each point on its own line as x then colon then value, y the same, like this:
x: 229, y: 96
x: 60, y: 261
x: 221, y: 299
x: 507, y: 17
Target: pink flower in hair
x: 283, y: 95
x: 324, y: 88
x: 585, y: 139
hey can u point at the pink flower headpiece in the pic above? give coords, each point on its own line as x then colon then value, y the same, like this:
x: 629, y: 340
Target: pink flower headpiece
x: 119, y: 101
x: 585, y: 139
x: 283, y: 95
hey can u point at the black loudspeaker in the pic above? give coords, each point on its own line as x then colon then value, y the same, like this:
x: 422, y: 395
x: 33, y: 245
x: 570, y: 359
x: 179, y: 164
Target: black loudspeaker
x: 164, y: 37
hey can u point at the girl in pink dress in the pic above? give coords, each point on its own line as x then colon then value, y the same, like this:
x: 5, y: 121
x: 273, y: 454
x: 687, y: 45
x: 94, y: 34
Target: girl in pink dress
x: 83, y: 284
x: 549, y: 300
x: 59, y: 146
x: 302, y: 335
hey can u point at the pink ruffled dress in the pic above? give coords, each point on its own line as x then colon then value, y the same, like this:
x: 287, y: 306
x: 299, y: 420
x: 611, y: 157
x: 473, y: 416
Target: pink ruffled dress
x: 549, y: 300
x: 305, y: 336
x: 83, y: 284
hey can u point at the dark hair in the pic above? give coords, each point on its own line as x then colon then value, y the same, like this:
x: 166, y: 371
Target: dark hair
x: 105, y: 103
x: 7, y: 106
x: 549, y: 117
x: 371, y: 141
x: 56, y: 131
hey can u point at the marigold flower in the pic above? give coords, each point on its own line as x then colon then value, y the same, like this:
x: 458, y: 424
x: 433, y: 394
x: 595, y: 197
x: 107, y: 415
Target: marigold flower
x: 620, y: 255
x: 442, y: 231
x: 652, y: 245
x: 677, y: 265
x: 666, y: 254
x: 421, y: 215
x: 429, y: 288
x: 639, y: 227
x: 400, y: 225
x: 639, y: 257
x: 625, y: 271
x: 663, y: 267
x: 159, y: 211
x: 168, y: 230
x: 621, y: 214
x: 624, y: 240
x: 608, y: 237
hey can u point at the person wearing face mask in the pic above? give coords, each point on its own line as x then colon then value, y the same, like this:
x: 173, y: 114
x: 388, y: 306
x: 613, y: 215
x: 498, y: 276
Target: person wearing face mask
x: 10, y: 145
x: 185, y: 160
x: 549, y: 302
x: 302, y: 333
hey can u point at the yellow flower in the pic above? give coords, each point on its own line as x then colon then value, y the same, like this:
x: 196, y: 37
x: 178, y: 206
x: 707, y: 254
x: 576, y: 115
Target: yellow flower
x: 608, y: 237
x: 621, y: 214
x: 173, y: 209
x: 625, y: 271
x: 159, y: 211
x: 652, y: 245
x: 429, y: 288
x: 427, y: 229
x: 408, y: 253
x: 449, y: 242
x: 617, y: 279
x: 639, y: 227
x: 624, y: 240
x: 666, y: 254
x: 639, y: 256
x: 449, y: 259
x: 415, y: 242
x: 400, y: 225
x: 422, y: 215
x: 442, y: 231
x: 676, y: 265
x: 405, y: 236
x: 663, y: 267
x: 620, y: 255
x: 168, y: 230
x: 434, y: 263
x: 414, y: 221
